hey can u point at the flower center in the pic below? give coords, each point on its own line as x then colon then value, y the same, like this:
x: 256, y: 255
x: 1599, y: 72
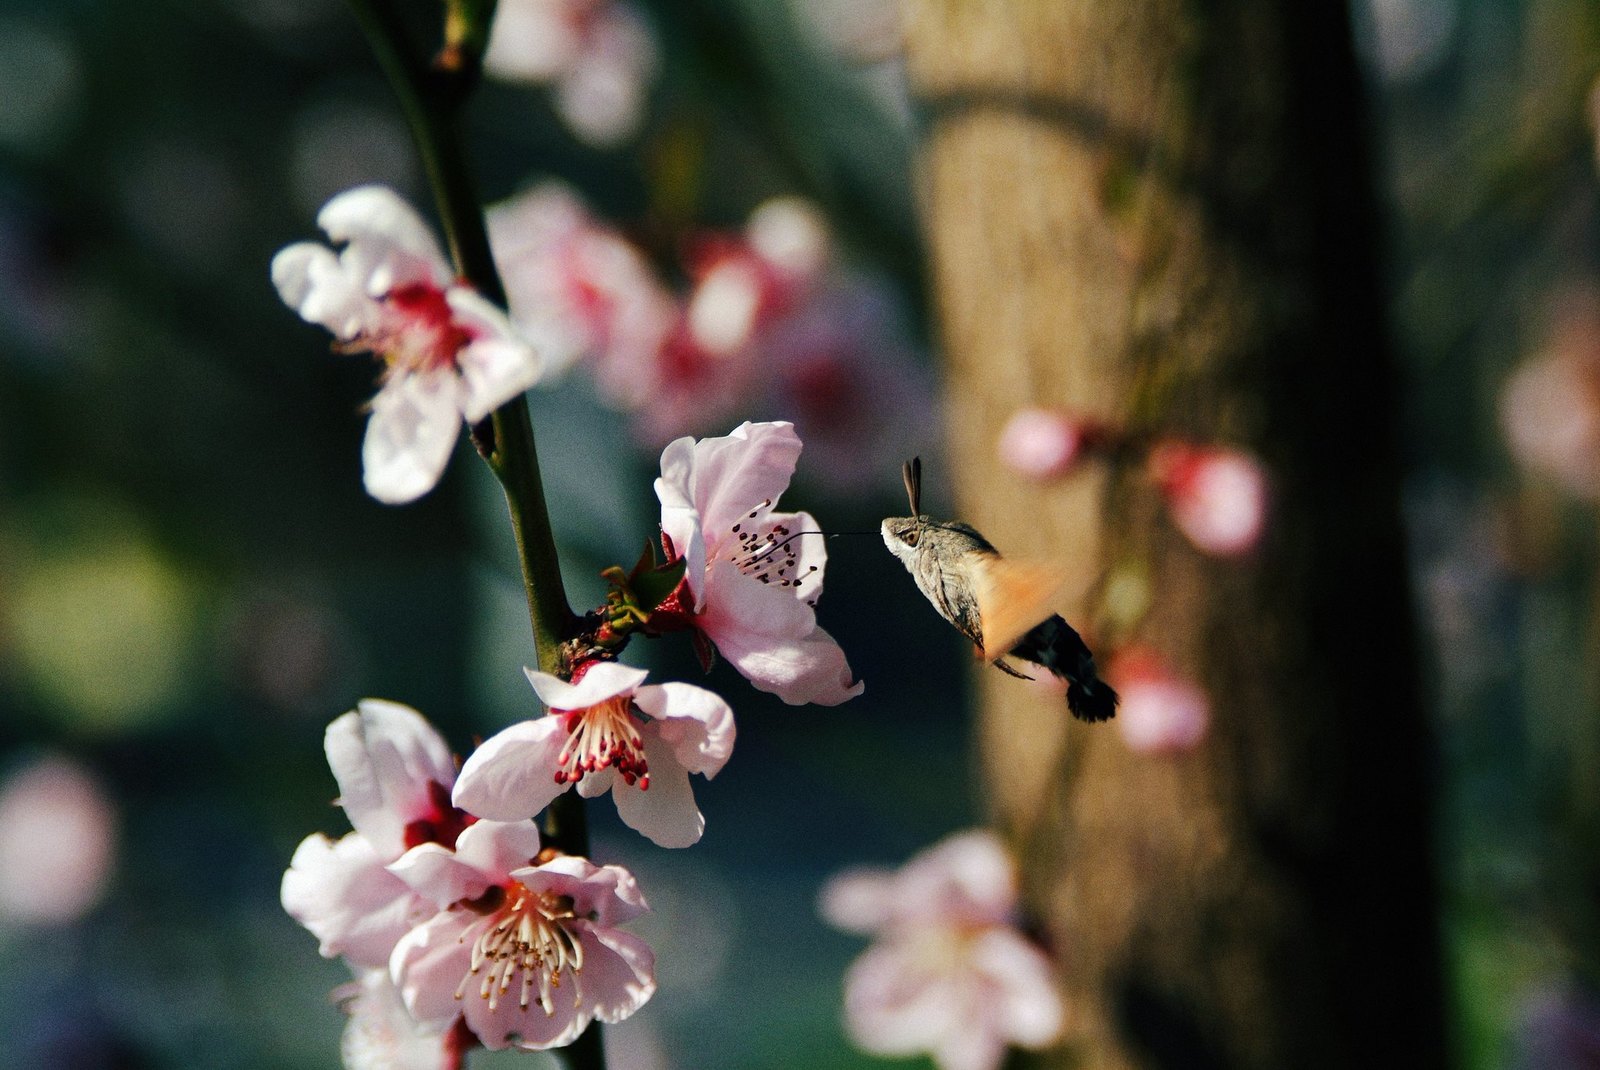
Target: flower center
x: 768, y: 555
x: 440, y: 825
x: 529, y: 942
x: 424, y: 335
x: 601, y: 737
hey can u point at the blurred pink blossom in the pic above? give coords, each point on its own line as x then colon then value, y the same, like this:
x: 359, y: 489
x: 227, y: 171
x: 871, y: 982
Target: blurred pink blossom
x: 57, y: 843
x: 1218, y: 497
x: 840, y: 366
x: 1042, y: 444
x: 607, y: 732
x: 1550, y: 407
x: 448, y: 353
x: 948, y: 973
x: 598, y: 57
x: 1161, y: 712
x: 751, y: 583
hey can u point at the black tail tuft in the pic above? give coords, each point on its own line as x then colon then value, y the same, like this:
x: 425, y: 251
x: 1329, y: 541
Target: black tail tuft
x: 1055, y: 645
x: 1091, y: 700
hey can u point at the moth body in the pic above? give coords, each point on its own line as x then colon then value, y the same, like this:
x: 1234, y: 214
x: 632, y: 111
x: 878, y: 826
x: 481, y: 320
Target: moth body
x: 1000, y: 605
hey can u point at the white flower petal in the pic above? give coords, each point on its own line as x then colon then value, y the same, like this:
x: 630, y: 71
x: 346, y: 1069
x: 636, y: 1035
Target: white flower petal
x: 604, y: 680
x: 341, y: 893
x: 414, y: 425
x: 1028, y: 1006
x: 438, y: 875
x: 665, y: 813
x: 312, y: 281
x: 493, y: 369
x: 695, y: 724
x: 773, y: 640
x: 389, y: 244
x: 618, y: 973
x: 512, y: 773
x: 498, y: 847
x: 385, y: 756
x: 608, y: 893
x: 382, y: 1035
x: 859, y: 900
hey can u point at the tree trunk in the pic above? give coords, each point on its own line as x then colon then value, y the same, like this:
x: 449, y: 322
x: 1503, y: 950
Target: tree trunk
x: 1157, y: 213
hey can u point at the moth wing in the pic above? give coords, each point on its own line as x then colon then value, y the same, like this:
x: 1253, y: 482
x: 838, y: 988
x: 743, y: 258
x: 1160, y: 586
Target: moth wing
x: 1013, y: 597
x: 951, y: 594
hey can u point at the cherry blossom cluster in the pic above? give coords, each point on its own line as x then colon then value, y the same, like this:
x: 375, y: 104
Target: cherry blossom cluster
x: 949, y: 972
x: 1216, y: 496
x: 768, y: 319
x: 461, y: 928
x: 460, y: 931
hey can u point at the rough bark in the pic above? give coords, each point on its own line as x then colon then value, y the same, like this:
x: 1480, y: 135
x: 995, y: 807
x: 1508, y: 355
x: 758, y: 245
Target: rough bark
x: 1157, y: 212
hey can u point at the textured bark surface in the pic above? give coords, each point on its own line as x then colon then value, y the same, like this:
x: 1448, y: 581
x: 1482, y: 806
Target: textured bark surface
x: 1157, y: 212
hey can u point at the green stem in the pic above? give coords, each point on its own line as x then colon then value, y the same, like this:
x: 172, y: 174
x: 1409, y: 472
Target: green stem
x: 432, y: 101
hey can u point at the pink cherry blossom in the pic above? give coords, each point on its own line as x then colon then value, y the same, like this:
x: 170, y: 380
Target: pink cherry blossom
x: 1042, y: 444
x: 531, y: 953
x: 395, y: 775
x: 448, y: 353
x: 948, y: 973
x: 752, y: 580
x: 1550, y: 407
x: 1218, y: 497
x: 598, y: 56
x: 607, y: 732
x: 58, y: 837
x: 1161, y: 712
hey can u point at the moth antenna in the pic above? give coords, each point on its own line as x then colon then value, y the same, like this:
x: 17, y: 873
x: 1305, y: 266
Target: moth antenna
x: 911, y: 472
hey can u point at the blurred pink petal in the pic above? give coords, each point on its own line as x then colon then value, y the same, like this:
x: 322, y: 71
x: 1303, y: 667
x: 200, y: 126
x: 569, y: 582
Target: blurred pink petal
x: 57, y: 843
x: 1218, y: 497
x: 1161, y: 713
x: 1550, y: 407
x: 382, y: 1035
x: 1041, y: 443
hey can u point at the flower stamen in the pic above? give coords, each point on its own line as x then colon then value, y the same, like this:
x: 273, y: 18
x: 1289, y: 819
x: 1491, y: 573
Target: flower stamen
x: 533, y: 935
x: 601, y: 737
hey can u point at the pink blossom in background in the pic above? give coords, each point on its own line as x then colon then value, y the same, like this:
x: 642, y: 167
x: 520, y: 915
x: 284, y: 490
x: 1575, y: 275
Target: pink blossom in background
x: 607, y: 732
x: 529, y: 954
x: 840, y: 366
x: 449, y: 354
x: 1217, y: 497
x: 1161, y: 712
x: 579, y: 283
x: 948, y: 973
x: 1550, y: 406
x: 752, y: 581
x: 58, y: 834
x: 598, y: 57
x: 1042, y: 444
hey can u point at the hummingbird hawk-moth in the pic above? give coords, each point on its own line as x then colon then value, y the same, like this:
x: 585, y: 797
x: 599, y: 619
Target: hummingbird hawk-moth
x: 1002, y: 606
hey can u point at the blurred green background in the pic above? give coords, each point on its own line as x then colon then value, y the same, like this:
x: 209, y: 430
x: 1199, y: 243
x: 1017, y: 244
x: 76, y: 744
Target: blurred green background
x: 192, y: 582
